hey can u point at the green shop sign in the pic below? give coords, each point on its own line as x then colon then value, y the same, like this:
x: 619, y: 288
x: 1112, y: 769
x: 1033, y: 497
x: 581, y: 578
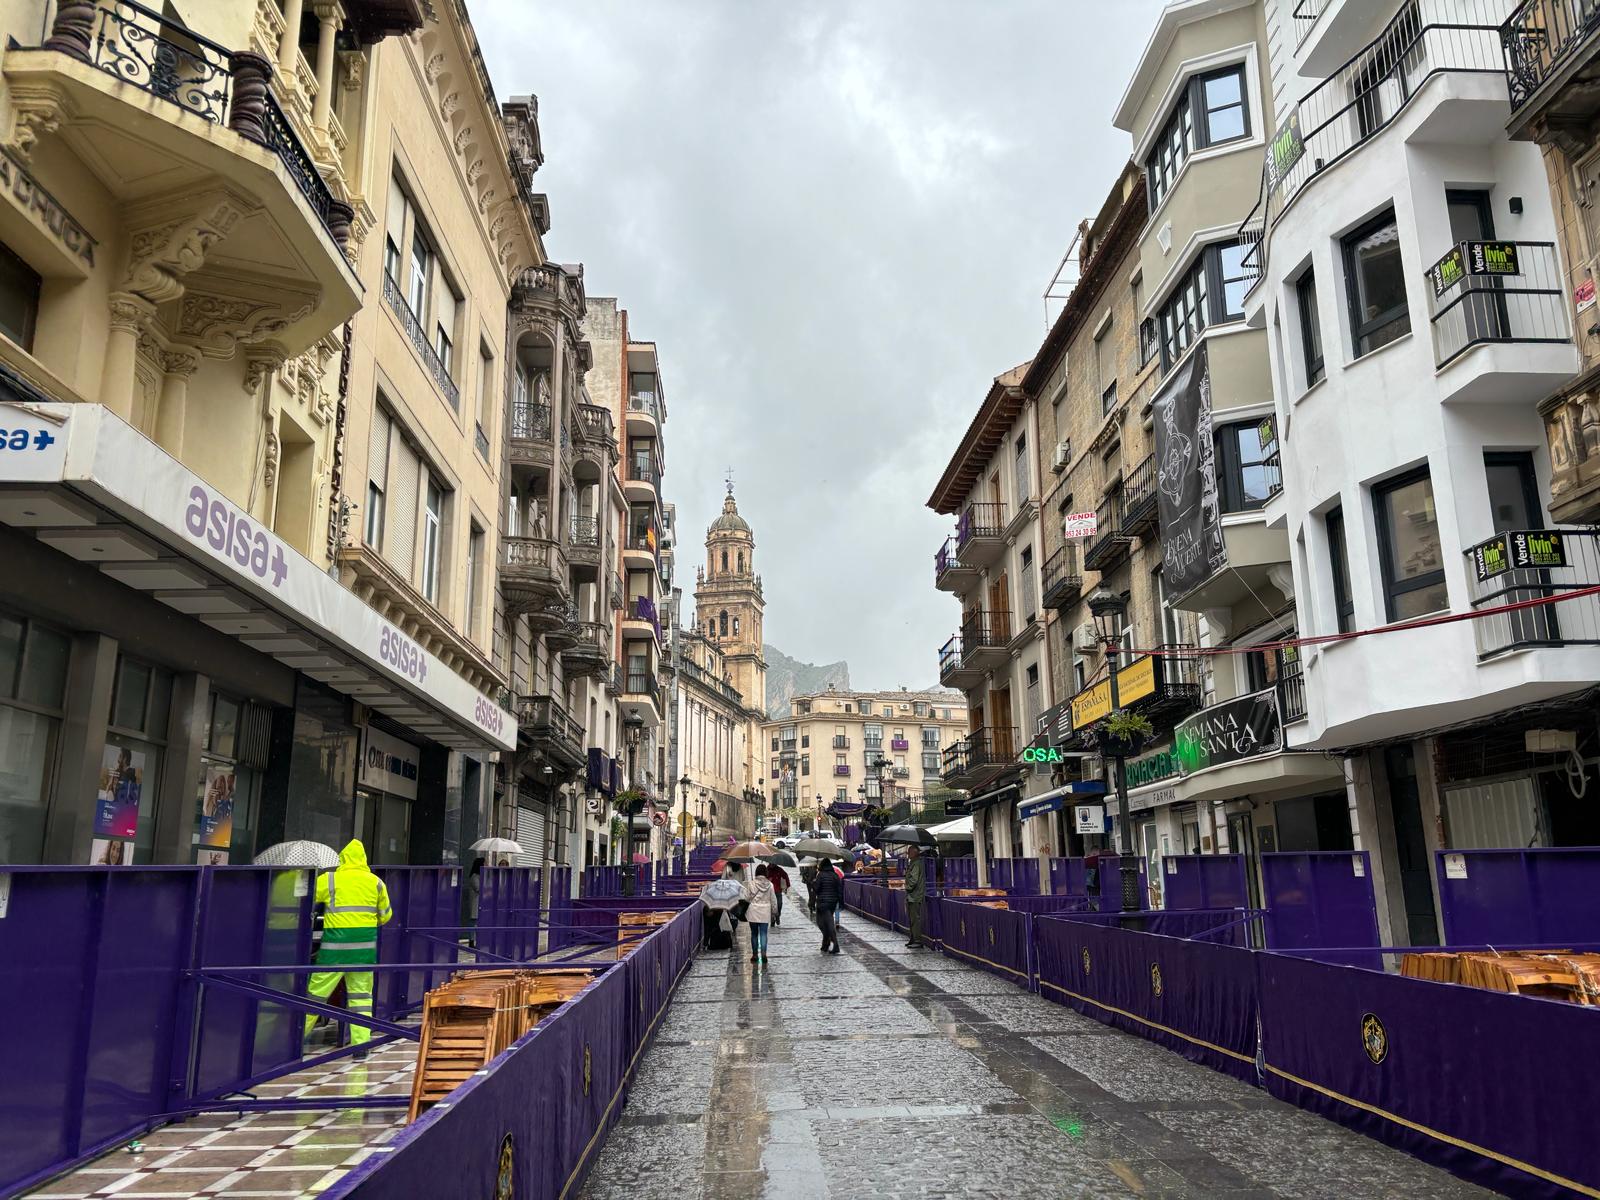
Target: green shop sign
x: 1151, y: 768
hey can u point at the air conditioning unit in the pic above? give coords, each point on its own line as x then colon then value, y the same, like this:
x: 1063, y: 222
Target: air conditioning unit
x: 1062, y: 457
x: 1086, y: 637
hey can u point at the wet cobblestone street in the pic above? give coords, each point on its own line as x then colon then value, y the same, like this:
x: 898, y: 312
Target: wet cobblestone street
x: 892, y: 1072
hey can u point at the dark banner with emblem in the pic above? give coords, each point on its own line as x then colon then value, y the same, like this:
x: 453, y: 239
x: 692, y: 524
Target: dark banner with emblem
x: 1192, y: 549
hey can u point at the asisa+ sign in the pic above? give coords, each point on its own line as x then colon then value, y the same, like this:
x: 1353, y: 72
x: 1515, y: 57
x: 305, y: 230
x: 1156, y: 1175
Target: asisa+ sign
x: 1042, y: 754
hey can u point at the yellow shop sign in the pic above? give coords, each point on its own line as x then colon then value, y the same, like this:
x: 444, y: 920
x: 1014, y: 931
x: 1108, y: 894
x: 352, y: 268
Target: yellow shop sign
x: 1134, y: 682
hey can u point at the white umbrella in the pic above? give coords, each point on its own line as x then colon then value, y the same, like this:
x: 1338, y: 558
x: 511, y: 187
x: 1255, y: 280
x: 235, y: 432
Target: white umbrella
x: 299, y: 854
x: 721, y: 893
x: 497, y: 846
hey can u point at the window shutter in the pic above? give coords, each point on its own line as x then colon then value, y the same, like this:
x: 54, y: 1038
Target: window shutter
x: 378, y: 449
x: 395, y: 222
x: 403, y: 502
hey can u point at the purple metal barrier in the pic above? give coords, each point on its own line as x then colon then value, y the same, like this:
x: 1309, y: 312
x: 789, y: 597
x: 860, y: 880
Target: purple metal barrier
x: 545, y: 1103
x: 1066, y: 877
x: 1196, y: 998
x: 1394, y: 1058
x: 1543, y: 896
x: 1321, y: 898
x: 508, y: 903
x: 421, y: 898
x: 958, y: 872
x: 1205, y: 881
x: 1220, y: 926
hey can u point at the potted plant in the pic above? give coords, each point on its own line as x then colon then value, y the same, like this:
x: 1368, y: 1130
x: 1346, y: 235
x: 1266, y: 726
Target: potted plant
x: 1124, y: 734
x: 631, y: 802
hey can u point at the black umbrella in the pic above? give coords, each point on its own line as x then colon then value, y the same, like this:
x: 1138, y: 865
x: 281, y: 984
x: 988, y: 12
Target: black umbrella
x: 908, y: 835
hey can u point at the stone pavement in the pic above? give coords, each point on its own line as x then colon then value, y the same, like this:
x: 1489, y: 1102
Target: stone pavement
x: 886, y: 1072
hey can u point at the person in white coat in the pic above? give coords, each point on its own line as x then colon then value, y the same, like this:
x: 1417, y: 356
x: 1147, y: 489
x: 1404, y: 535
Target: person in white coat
x: 759, y: 913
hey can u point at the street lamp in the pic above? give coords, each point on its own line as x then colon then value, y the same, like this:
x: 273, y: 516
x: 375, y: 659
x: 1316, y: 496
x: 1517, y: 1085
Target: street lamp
x: 700, y: 808
x: 632, y: 735
x: 1110, y: 611
x: 683, y: 822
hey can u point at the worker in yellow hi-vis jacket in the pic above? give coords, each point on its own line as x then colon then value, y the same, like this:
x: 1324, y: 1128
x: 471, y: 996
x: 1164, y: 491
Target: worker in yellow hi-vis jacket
x: 355, y: 904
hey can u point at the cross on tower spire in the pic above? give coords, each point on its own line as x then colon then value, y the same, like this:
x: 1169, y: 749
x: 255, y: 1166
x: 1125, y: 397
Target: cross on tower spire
x: 729, y: 479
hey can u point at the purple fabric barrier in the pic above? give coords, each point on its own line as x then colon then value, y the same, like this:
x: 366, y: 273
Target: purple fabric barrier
x: 1066, y: 877
x: 93, y: 959
x: 1220, y: 926
x: 1320, y: 899
x: 1039, y: 905
x: 420, y: 898
x: 248, y: 916
x: 1494, y: 1087
x: 548, y: 1100
x: 959, y: 872
x: 996, y: 939
x: 1519, y: 897
x: 1204, y: 881
x: 1193, y: 997
x: 885, y: 905
x: 508, y: 902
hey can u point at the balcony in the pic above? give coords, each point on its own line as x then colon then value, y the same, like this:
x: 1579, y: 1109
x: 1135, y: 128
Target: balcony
x: 902, y: 772
x: 590, y: 652
x: 985, y: 640
x: 563, y: 633
x: 841, y: 769
x: 533, y: 576
x: 644, y: 414
x: 1110, y: 545
x: 641, y: 691
x: 1508, y: 569
x: 1063, y: 578
x: 642, y: 480
x: 979, y: 758
x: 639, y: 550
x: 530, y: 442
x: 1572, y: 431
x: 950, y: 572
x: 1549, y: 50
x: 954, y: 671
x: 583, y: 545
x: 1306, y: 13
x: 1180, y: 685
x: 548, y: 729
x: 614, y: 682
x: 840, y: 742
x: 899, y: 744
x: 1291, y: 686
x: 641, y: 613
x: 595, y: 447
x: 435, y: 366
x: 1501, y: 330
x: 980, y: 534
x: 1140, y: 515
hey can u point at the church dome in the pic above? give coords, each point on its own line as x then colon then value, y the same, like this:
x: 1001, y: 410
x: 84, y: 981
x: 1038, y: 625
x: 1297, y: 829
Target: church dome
x: 730, y: 521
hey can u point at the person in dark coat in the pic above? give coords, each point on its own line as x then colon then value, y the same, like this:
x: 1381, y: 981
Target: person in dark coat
x: 828, y: 894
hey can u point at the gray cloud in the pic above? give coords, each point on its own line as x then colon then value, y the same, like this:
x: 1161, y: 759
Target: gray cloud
x: 836, y: 219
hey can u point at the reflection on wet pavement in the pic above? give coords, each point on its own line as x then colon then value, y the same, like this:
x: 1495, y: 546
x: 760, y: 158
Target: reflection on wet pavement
x: 886, y: 1073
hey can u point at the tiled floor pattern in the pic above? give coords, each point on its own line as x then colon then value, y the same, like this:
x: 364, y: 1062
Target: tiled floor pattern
x: 886, y: 1072
x: 268, y: 1155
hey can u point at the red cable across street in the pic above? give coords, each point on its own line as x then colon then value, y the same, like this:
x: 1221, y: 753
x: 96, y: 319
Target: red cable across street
x: 1397, y: 627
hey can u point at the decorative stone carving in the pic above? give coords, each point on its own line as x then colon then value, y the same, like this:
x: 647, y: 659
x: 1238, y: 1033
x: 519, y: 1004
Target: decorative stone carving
x: 258, y: 367
x: 474, y: 172
x: 463, y: 136
x: 433, y: 68
x: 217, y: 324
x: 355, y: 69
x: 486, y: 199
x: 270, y: 465
x: 180, y: 361
x: 449, y: 106
x: 129, y: 314
x: 161, y: 256
x: 37, y: 109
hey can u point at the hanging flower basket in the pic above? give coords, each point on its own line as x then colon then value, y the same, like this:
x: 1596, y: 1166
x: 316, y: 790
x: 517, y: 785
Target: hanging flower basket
x: 1123, y: 734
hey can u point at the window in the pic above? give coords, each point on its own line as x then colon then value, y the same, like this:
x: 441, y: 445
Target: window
x: 432, y: 521
x: 1023, y: 481
x: 474, y: 583
x: 33, y: 680
x: 485, y: 396
x: 1105, y: 358
x: 394, y: 235
x: 805, y: 764
x: 1183, y: 316
x: 444, y: 326
x: 1210, y: 292
x: 19, y: 298
x: 1375, y: 278
x: 1305, y: 291
x: 1408, y: 546
x: 130, y: 772
x: 374, y: 529
x: 377, y: 475
x: 1513, y: 491
x: 1108, y: 399
x: 930, y: 737
x: 1210, y: 111
x: 805, y: 738
x: 1247, y: 471
x: 722, y: 622
x: 1235, y: 278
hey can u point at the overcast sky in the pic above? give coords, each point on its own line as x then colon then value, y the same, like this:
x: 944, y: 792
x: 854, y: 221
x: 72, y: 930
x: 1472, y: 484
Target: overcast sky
x: 836, y: 218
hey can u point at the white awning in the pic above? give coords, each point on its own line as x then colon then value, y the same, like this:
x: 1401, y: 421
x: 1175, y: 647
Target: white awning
x: 90, y: 481
x: 959, y: 830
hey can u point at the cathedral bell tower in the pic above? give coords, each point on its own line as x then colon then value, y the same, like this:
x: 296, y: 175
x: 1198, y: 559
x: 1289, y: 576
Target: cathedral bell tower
x: 728, y: 603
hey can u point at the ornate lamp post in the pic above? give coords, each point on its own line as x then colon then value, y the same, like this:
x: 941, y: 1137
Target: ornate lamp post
x: 632, y: 735
x: 1110, y: 611
x: 684, y: 784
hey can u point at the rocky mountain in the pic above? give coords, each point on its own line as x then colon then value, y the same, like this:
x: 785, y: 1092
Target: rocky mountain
x: 787, y: 677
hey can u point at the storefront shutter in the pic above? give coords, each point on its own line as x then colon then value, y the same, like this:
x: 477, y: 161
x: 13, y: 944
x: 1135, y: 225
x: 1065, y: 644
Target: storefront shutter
x: 403, y: 501
x: 530, y: 836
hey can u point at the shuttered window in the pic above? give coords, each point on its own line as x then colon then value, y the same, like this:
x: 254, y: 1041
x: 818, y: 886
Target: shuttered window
x: 404, y: 478
x: 394, y: 229
x: 377, y: 476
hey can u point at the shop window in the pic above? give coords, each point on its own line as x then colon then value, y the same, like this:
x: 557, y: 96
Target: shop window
x: 1247, y: 473
x: 33, y: 671
x: 1339, y: 560
x: 1305, y: 290
x: 1409, y: 548
x: 1375, y: 280
x: 130, y: 769
x: 19, y: 298
x: 226, y: 790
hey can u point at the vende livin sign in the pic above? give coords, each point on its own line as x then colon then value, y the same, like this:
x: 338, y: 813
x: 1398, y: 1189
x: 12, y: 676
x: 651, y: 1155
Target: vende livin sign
x: 1518, y: 550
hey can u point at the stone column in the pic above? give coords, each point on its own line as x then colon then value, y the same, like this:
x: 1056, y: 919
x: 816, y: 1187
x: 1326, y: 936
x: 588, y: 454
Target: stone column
x: 290, y: 45
x: 329, y: 17
x: 129, y: 313
x: 91, y: 673
x: 179, y: 364
x: 72, y: 32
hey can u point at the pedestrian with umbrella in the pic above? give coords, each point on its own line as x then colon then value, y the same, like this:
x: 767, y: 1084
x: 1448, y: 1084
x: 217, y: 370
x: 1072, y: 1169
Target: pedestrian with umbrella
x: 719, y: 898
x: 828, y: 893
x: 914, y: 839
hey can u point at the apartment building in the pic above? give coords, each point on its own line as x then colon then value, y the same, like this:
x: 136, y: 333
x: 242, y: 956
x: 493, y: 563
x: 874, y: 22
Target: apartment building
x: 1415, y: 301
x: 197, y: 315
x: 716, y: 796
x: 842, y: 748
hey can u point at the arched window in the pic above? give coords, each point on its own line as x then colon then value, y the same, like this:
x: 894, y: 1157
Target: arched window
x: 741, y: 562
x: 736, y: 627
x: 724, y: 562
x: 723, y: 621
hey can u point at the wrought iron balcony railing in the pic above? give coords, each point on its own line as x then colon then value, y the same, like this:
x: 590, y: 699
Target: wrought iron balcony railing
x: 1540, y: 37
x: 642, y: 469
x: 530, y: 421
x: 984, y: 630
x: 480, y: 439
x: 841, y: 742
x: 1063, y: 576
x: 1511, y: 567
x: 949, y: 658
x: 585, y: 532
x: 148, y: 51
x: 1475, y: 308
x: 984, y: 520
x: 545, y: 718
x: 419, y: 339
x: 946, y: 559
x: 1306, y: 13
x: 1291, y: 685
x: 644, y: 402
